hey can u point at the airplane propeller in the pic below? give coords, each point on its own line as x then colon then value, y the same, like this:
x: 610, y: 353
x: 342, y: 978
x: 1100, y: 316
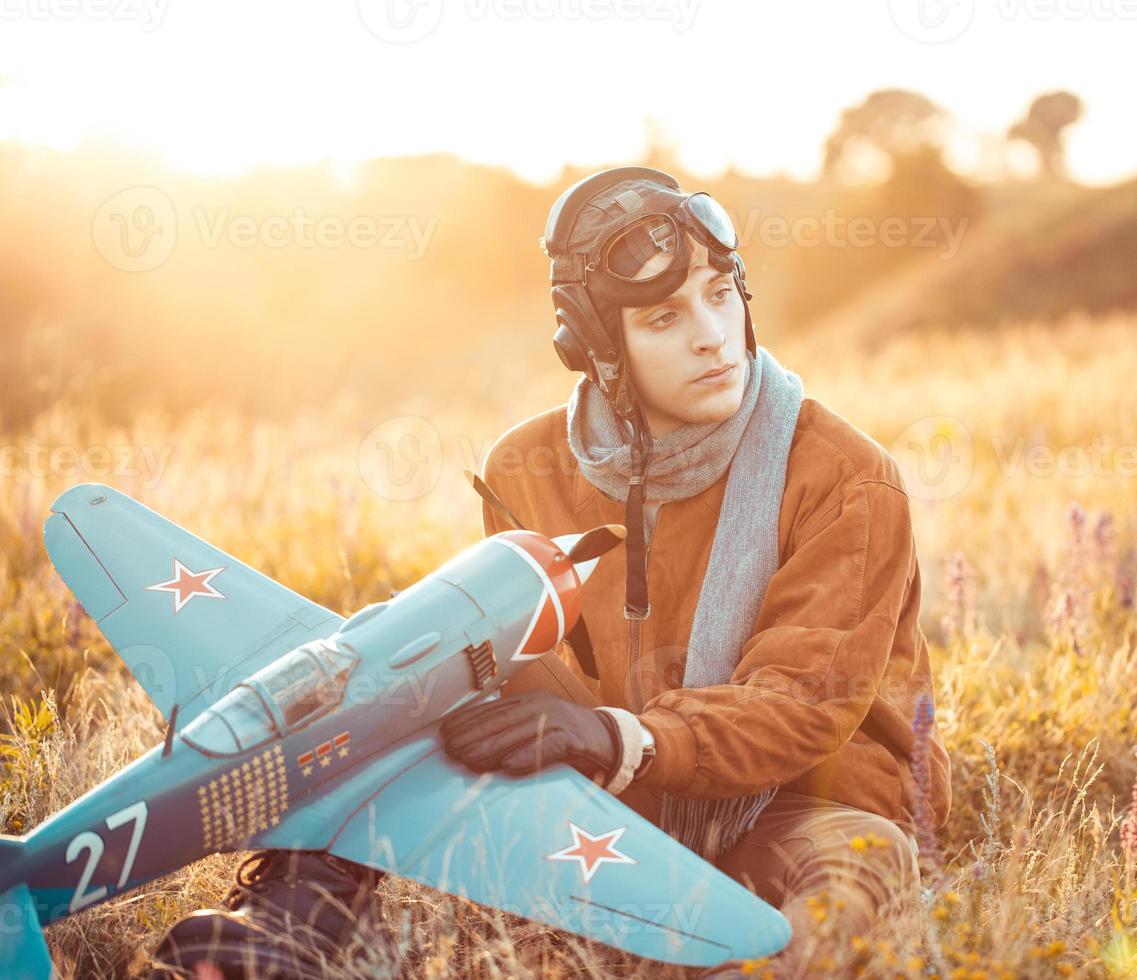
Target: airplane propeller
x: 592, y: 544
x: 493, y: 500
x: 598, y: 541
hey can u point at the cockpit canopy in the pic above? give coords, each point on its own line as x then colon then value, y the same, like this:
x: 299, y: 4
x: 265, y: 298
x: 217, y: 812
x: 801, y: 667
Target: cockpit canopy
x: 290, y: 692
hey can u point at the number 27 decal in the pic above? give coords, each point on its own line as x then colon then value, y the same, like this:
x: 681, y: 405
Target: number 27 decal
x: 92, y: 843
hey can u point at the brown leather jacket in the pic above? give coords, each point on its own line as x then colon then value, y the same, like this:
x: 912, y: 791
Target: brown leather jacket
x: 823, y: 697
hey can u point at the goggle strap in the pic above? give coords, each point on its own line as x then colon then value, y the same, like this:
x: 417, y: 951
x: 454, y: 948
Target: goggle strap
x: 568, y: 268
x: 629, y: 200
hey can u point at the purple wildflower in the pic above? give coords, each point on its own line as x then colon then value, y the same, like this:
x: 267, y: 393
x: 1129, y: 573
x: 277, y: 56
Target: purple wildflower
x: 1129, y: 824
x: 921, y: 773
x: 960, y: 590
x: 1104, y: 539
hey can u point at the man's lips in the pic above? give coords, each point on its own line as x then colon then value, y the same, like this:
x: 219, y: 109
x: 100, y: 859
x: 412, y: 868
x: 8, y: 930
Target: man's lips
x: 713, y: 375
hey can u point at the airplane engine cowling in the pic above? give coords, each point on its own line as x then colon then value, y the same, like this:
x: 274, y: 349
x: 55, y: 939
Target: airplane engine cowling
x: 561, y: 604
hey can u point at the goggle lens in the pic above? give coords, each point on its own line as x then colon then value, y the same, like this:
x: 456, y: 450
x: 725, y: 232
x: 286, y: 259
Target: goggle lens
x: 643, y: 250
x: 647, y: 247
x: 713, y: 218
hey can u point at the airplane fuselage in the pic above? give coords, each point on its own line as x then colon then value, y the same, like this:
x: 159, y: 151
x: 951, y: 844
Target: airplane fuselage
x: 309, y: 720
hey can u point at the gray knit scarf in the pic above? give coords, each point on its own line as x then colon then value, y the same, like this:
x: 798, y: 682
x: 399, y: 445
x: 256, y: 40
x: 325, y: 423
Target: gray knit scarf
x: 754, y: 443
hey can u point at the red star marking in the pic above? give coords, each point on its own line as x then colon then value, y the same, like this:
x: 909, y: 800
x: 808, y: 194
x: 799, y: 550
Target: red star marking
x: 592, y: 851
x: 186, y: 584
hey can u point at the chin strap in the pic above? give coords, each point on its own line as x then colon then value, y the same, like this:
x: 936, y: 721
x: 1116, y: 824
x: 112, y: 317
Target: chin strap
x: 636, y: 604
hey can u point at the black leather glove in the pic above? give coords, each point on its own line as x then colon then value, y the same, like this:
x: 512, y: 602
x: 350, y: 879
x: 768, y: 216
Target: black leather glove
x: 535, y: 728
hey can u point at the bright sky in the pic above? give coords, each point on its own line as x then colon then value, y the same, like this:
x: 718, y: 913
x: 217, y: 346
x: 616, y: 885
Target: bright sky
x: 219, y: 87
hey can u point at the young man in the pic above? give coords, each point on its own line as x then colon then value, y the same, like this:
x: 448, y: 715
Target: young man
x: 757, y: 701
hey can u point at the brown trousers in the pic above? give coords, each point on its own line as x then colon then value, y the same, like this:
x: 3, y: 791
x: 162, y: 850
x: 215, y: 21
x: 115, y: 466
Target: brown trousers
x: 829, y: 868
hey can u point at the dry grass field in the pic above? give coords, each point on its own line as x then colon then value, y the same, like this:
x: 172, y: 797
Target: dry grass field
x: 1028, y: 557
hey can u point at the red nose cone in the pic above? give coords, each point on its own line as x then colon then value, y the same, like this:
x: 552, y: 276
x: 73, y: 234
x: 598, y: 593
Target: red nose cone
x: 561, y: 600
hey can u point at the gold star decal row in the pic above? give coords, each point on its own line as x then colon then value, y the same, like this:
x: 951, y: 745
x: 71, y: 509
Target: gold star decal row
x: 243, y: 800
x: 323, y: 753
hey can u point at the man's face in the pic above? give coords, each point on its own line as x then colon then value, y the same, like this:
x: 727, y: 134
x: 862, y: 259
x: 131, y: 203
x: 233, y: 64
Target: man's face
x: 700, y: 326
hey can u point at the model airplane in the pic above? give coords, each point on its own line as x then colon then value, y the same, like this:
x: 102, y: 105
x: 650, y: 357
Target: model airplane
x: 289, y: 726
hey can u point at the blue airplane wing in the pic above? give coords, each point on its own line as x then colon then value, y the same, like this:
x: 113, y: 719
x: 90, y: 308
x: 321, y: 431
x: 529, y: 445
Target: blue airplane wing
x: 23, y: 952
x: 554, y: 847
x: 189, y: 620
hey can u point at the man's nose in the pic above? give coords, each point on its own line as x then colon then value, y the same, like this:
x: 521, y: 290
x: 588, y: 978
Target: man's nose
x: 709, y: 333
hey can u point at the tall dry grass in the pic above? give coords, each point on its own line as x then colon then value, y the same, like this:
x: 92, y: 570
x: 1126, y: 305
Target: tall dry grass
x: 1028, y: 605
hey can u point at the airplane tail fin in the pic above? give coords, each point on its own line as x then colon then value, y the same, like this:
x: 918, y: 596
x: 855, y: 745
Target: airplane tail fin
x: 23, y: 950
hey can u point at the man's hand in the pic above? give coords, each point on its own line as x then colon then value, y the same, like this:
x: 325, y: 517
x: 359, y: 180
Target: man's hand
x: 523, y: 733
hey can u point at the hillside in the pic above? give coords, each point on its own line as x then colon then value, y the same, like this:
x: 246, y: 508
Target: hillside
x: 1031, y: 258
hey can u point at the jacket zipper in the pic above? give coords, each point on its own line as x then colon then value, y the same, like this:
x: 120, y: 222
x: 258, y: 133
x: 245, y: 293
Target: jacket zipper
x: 637, y: 686
x: 635, y: 670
